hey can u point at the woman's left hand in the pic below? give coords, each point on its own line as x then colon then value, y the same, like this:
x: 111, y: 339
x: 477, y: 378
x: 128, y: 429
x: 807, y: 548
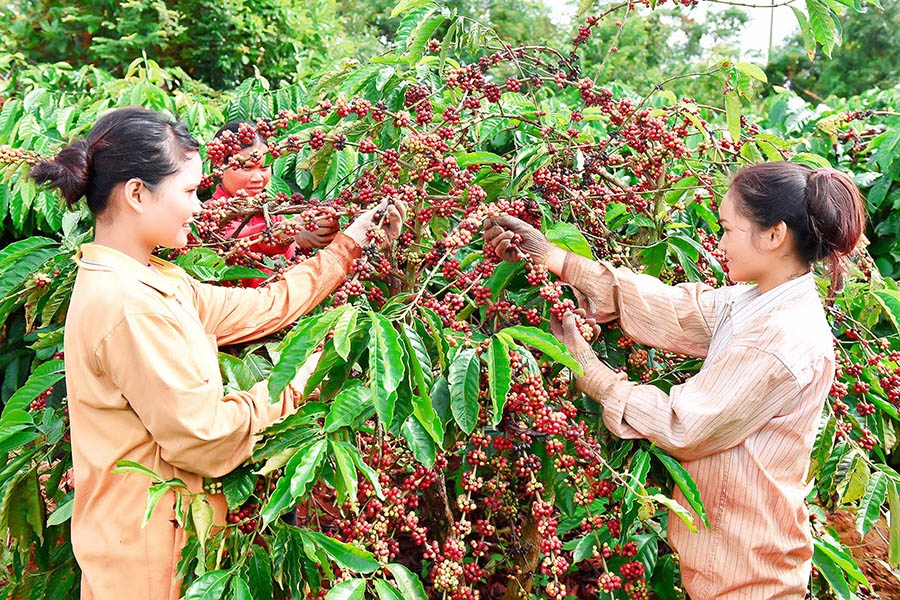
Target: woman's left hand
x: 327, y: 228
x: 571, y: 332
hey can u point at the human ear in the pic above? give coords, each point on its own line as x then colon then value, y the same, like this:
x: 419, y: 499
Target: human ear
x: 132, y: 191
x: 776, y: 235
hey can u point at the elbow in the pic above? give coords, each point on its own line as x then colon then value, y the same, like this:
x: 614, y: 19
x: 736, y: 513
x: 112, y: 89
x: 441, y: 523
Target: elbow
x: 686, y: 447
x: 207, y: 458
x: 681, y: 443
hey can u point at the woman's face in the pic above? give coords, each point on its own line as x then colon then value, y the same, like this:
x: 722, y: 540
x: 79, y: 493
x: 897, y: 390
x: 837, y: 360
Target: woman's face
x: 253, y: 177
x: 743, y: 258
x: 172, y: 206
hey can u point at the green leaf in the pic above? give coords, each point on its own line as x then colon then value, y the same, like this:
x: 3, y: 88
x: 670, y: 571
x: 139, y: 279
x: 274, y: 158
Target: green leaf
x: 733, y: 114
x: 464, y: 382
x: 202, y: 517
x: 568, y: 237
x: 344, y: 330
x: 419, y: 360
x: 676, y: 509
x: 890, y: 303
x: 654, y: 258
x: 352, y: 589
x: 348, y: 405
x: 809, y: 39
x: 258, y: 572
x: 298, y: 474
x: 209, y: 586
x: 499, y: 376
x: 342, y: 166
x: 300, y: 343
x: 543, y: 341
x: 347, y: 555
x: 423, y: 409
x: 894, y: 525
x: 62, y: 513
x: 424, y: 29
x: 419, y: 440
x: 240, y: 590
x: 852, y: 486
x: 752, y: 70
x: 386, y: 590
x: 824, y: 25
x: 386, y: 365
x: 464, y: 159
x: 685, y: 483
x: 43, y: 377
x: 129, y: 466
x: 405, y: 6
x: 640, y: 465
x: 368, y: 471
x: 237, y: 486
x: 345, y: 474
x: 409, y: 585
x: 22, y: 510
x: 836, y: 564
x: 154, y: 495
x: 870, y: 506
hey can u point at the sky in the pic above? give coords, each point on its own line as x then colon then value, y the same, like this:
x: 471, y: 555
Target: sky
x: 755, y: 40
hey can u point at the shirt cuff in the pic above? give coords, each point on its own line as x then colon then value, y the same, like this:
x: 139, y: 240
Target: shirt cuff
x: 599, y: 382
x: 345, y: 249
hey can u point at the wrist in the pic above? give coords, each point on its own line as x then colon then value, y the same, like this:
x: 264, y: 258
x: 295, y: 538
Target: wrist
x: 555, y: 259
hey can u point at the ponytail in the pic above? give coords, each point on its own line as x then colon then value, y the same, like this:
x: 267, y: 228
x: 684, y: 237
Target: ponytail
x: 69, y: 171
x: 837, y: 219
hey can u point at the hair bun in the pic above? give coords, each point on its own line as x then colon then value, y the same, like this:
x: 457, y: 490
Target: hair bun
x: 69, y: 171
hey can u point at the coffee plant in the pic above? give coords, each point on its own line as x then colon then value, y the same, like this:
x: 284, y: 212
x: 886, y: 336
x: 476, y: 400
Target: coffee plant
x: 444, y: 452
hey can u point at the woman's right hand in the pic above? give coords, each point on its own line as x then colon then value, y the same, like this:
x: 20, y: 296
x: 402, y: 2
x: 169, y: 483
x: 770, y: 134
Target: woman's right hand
x: 513, y: 240
x: 385, y: 222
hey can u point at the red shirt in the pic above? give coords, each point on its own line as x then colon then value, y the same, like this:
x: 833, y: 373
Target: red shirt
x: 254, y: 226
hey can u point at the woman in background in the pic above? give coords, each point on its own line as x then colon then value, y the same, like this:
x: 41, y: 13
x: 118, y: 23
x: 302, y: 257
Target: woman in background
x: 252, y: 176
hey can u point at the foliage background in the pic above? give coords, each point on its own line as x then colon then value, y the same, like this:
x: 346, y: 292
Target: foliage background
x: 145, y: 53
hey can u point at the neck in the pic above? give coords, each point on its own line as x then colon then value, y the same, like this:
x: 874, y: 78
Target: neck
x: 122, y: 239
x: 782, y: 273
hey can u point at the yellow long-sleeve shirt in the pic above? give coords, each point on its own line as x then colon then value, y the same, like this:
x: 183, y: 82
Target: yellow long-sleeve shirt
x: 143, y: 383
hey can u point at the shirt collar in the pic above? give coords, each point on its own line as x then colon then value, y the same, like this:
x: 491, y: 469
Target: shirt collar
x: 750, y: 304
x: 163, y: 278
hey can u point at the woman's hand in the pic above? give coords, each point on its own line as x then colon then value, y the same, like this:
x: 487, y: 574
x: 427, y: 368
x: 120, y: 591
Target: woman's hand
x: 381, y: 225
x: 328, y: 227
x: 513, y: 239
x: 576, y: 331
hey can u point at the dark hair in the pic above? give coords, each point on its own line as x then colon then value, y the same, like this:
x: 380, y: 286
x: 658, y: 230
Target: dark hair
x: 822, y: 208
x: 234, y: 127
x: 126, y: 143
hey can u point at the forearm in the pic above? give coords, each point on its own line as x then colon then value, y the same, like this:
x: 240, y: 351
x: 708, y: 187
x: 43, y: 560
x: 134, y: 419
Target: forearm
x: 677, y: 318
x: 238, y: 315
x: 218, y: 440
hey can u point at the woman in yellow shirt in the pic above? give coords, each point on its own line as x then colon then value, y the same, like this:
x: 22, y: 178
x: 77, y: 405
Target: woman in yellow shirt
x: 744, y: 426
x: 141, y: 342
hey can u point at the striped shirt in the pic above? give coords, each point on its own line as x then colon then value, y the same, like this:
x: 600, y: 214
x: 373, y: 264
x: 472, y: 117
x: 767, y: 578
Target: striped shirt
x: 743, y: 426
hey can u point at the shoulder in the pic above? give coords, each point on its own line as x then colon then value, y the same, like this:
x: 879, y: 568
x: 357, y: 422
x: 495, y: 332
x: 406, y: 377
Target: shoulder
x: 102, y: 299
x: 796, y: 333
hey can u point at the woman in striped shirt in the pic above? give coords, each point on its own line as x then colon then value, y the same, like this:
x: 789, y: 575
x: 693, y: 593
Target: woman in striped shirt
x: 745, y: 424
